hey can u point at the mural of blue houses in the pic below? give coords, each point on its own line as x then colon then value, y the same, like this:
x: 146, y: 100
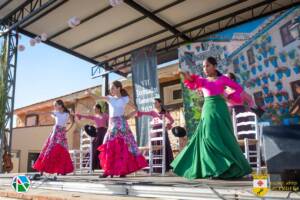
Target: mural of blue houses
x: 268, y: 66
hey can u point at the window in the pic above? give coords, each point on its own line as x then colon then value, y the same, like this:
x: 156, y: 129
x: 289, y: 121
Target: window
x: 31, y: 120
x: 172, y: 94
x: 259, y: 99
x: 177, y: 94
x: 286, y: 36
x: 32, y: 157
x: 250, y: 55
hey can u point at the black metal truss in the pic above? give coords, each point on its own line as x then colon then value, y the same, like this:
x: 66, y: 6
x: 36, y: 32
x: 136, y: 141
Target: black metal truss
x: 256, y: 11
x: 10, y: 75
x: 24, y: 25
x: 23, y: 13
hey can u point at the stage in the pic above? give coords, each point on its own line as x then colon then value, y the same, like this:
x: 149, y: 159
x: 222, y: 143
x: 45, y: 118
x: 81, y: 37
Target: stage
x: 142, y: 185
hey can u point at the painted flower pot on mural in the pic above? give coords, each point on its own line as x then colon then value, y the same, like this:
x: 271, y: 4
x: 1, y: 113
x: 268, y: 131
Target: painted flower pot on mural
x: 269, y: 38
x: 265, y: 79
x: 279, y: 97
x: 267, y: 63
x: 258, y: 82
x: 279, y: 85
x: 292, y: 54
x: 279, y: 74
x: 297, y: 69
x: 287, y: 72
x: 260, y: 68
x: 274, y: 61
x: 282, y: 57
x: 259, y: 57
x: 264, y: 54
x: 256, y: 46
x: 272, y: 77
x: 253, y: 70
x: 244, y: 65
x: 242, y: 58
x: 272, y: 51
x: 266, y: 89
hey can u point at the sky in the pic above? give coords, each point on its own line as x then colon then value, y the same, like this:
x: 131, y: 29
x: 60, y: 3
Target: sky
x: 44, y: 72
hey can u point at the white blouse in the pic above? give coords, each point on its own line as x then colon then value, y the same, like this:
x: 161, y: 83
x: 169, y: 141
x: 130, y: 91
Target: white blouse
x: 61, y: 118
x: 117, y: 105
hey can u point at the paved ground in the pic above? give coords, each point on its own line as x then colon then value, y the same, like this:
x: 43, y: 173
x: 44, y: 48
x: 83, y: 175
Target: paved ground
x: 38, y: 194
x: 92, y: 187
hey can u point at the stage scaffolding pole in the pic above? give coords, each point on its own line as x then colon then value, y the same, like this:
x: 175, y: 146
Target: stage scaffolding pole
x: 11, y: 42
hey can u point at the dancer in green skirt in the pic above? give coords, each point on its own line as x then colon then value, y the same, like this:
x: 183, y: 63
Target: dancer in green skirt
x: 212, y: 151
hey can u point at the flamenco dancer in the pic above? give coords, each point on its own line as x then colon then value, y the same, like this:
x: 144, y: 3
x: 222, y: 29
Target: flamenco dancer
x: 157, y: 116
x: 100, y: 120
x: 119, y: 153
x: 55, y: 157
x: 212, y: 151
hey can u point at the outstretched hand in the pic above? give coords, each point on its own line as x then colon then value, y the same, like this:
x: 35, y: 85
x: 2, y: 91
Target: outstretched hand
x: 186, y: 75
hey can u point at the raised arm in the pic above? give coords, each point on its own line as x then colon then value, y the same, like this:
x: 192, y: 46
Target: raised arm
x: 150, y: 113
x: 101, y: 98
x: 131, y: 104
x: 192, y: 81
x: 80, y: 116
x: 132, y: 114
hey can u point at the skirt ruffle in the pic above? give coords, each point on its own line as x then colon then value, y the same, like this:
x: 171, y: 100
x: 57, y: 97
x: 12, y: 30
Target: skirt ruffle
x: 55, y: 157
x: 58, y: 161
x: 116, y: 159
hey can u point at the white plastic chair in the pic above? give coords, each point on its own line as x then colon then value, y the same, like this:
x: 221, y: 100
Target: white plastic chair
x: 153, y: 145
x: 82, y: 158
x: 247, y: 142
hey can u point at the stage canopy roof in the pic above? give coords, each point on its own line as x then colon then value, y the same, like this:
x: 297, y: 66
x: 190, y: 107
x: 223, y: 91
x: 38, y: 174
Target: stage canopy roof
x: 107, y: 35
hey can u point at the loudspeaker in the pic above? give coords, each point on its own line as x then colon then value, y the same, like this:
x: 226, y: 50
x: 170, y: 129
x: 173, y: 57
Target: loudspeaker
x: 282, y: 154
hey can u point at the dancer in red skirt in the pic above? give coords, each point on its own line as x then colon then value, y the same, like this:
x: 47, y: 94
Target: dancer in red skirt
x: 119, y: 153
x: 55, y: 157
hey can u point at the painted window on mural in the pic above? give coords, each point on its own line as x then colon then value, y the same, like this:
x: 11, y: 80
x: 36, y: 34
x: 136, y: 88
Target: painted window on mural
x: 250, y: 55
x: 286, y: 36
x: 259, y: 99
x: 236, y: 65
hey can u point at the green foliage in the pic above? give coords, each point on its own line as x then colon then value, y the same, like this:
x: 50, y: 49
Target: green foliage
x: 3, y: 81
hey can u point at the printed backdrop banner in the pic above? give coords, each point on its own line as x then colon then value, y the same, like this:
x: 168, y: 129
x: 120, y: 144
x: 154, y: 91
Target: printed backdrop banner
x: 146, y: 87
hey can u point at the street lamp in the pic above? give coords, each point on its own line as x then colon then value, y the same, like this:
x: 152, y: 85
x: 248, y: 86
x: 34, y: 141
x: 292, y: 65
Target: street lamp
x: 295, y: 28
